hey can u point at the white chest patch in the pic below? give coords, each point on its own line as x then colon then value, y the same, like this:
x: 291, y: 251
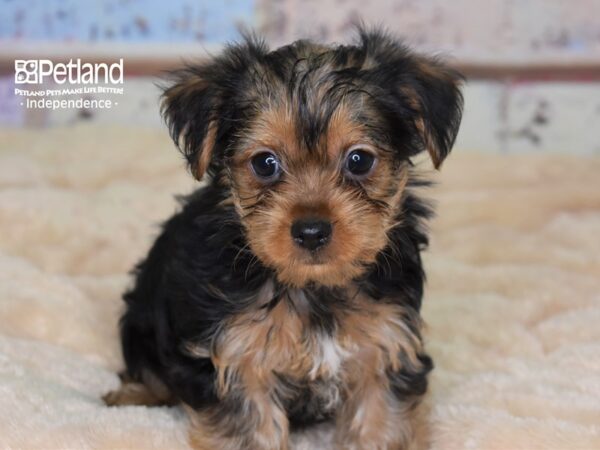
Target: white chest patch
x: 327, y: 358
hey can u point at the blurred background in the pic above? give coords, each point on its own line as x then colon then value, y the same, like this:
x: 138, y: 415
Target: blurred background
x: 533, y: 66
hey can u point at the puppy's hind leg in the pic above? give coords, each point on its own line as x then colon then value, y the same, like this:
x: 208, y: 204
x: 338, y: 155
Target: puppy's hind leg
x: 148, y: 392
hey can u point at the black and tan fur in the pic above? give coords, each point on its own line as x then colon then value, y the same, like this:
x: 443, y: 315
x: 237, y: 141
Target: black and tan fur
x: 255, y: 335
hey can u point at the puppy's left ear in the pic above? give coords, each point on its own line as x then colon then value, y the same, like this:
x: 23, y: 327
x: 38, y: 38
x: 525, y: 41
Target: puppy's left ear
x: 437, y: 101
x: 423, y: 93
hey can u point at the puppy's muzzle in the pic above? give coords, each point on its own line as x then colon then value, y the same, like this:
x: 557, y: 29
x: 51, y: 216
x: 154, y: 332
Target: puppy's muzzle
x: 312, y: 233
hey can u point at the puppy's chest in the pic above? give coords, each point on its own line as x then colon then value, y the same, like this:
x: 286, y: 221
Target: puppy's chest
x: 282, y: 340
x: 287, y: 345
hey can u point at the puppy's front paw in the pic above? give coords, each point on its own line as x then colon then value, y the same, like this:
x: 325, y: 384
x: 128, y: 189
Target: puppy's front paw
x: 132, y: 394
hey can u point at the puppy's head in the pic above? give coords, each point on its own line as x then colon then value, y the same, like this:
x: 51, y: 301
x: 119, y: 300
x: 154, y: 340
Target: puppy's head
x: 314, y: 143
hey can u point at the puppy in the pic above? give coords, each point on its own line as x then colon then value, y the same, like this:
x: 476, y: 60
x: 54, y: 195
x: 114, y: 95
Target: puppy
x: 287, y: 290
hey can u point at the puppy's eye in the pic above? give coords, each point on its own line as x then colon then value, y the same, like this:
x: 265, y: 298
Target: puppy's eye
x: 359, y: 162
x: 266, y: 166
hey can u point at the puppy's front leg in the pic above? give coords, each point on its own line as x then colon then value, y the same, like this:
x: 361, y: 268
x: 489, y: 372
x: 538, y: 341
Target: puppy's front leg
x: 380, y: 411
x: 240, y: 422
x: 373, y: 419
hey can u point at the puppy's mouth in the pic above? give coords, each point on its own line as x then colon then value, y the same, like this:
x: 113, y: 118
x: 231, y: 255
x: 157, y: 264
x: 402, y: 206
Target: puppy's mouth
x: 321, y: 267
x: 315, y: 258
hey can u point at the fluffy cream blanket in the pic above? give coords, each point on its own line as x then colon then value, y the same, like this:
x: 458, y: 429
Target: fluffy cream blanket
x: 512, y: 304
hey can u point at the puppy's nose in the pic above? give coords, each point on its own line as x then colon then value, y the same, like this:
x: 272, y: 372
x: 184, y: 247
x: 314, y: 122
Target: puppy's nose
x: 311, y: 233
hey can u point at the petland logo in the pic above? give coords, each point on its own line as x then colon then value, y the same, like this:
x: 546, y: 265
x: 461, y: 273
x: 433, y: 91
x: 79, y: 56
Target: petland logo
x: 36, y: 71
x: 44, y: 84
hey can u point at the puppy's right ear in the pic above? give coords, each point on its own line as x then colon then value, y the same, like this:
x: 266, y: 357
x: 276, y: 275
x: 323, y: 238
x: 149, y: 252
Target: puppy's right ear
x: 189, y: 108
x: 201, y: 106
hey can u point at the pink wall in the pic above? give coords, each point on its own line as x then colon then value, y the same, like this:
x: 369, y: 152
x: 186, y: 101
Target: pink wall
x: 482, y: 30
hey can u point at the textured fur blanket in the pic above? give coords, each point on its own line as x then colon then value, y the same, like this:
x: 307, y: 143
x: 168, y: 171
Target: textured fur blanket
x: 512, y: 303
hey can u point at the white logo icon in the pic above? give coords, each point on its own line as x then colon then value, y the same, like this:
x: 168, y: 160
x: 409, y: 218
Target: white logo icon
x: 26, y: 71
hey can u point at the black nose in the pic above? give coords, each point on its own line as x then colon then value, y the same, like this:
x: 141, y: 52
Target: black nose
x: 311, y: 233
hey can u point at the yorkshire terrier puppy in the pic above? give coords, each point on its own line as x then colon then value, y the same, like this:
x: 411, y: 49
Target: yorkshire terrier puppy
x: 287, y: 290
